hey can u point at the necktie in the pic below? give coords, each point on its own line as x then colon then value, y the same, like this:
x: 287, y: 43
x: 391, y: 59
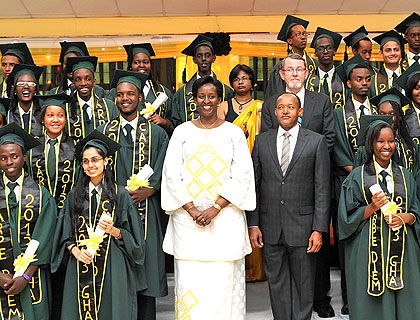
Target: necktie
x: 128, y: 137
x: 51, y: 160
x: 416, y: 58
x: 325, y: 85
x: 93, y: 201
x: 87, y: 120
x: 12, y: 195
x: 394, y: 78
x: 285, y: 151
x: 26, y: 121
x: 382, y: 182
x: 362, y: 110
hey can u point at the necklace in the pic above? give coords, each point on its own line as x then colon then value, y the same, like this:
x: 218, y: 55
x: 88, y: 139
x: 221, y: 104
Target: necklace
x: 241, y: 105
x: 199, y: 120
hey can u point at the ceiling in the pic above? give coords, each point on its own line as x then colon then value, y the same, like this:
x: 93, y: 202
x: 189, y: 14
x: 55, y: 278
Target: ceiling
x: 164, y: 8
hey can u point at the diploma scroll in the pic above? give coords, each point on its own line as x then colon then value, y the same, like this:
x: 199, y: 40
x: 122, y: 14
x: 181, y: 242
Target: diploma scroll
x: 141, y: 179
x: 99, y: 234
x: 387, y: 208
x: 22, y: 262
x: 151, y: 108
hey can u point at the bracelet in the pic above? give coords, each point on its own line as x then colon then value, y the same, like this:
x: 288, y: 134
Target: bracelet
x: 71, y: 251
x: 26, y: 277
x: 217, y: 206
x: 71, y: 247
x: 189, y: 208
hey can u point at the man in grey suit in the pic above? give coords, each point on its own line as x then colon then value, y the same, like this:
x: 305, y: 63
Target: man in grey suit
x: 317, y: 109
x: 292, y: 177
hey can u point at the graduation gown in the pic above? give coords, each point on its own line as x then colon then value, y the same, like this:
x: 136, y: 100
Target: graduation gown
x: 35, y: 128
x: 183, y: 105
x: 276, y: 84
x: 149, y: 148
x: 413, y: 122
x: 77, y: 127
x: 391, y: 304
x: 380, y: 81
x: 35, y: 214
x: 118, y: 298
x: 99, y: 91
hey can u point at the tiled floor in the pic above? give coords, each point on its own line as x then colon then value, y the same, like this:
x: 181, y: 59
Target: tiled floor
x: 258, y: 302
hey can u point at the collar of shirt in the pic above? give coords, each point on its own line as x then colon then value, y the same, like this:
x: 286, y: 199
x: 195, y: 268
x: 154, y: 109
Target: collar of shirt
x: 22, y: 112
x: 388, y: 178
x: 89, y: 103
x: 322, y: 74
x: 300, y: 94
x: 132, y: 123
x: 357, y: 105
x: 55, y: 146
x: 390, y: 73
x: 411, y: 57
x: 146, y: 89
x: 98, y: 189
x: 17, y: 188
x: 293, y: 132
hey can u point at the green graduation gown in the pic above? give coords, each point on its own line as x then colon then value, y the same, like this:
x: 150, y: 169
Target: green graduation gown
x: 413, y: 122
x: 401, y: 304
x: 183, y: 106
x: 380, y: 82
x: 118, y: 298
x: 150, y: 148
x: 36, y: 215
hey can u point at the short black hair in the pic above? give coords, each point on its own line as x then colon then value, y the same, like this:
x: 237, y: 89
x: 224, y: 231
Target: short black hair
x: 373, y: 137
x: 291, y: 94
x: 358, y: 66
x: 242, y: 67
x: 356, y: 46
x: 207, y: 80
x: 411, y: 84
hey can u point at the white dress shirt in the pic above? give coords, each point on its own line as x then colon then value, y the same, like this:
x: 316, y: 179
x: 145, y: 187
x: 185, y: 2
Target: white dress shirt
x: 132, y: 123
x: 17, y: 188
x: 98, y: 190
x: 146, y: 89
x: 411, y: 57
x: 357, y: 105
x: 89, y: 110
x: 322, y: 74
x: 55, y: 146
x: 292, y: 140
x: 389, y: 184
x: 390, y: 73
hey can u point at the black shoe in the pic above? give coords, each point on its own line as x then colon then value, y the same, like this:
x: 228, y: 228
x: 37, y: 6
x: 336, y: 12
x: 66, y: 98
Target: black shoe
x: 324, y: 309
x: 345, y: 309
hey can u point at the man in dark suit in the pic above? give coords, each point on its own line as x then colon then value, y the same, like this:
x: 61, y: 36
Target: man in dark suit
x: 292, y: 176
x: 317, y: 109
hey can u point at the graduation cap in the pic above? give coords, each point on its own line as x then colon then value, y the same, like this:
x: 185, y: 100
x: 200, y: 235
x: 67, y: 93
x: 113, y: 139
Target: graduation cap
x: 344, y: 69
x: 407, y: 74
x: 19, y: 50
x: 391, y: 35
x: 4, y: 106
x: 134, y: 48
x: 199, y: 41
x: 76, y: 47
x: 368, y: 122
x: 411, y: 21
x: 86, y: 62
x: 59, y: 100
x: 21, y: 69
x: 136, y: 78
x: 13, y: 133
x: 356, y: 36
x: 98, y: 140
x: 392, y: 94
x: 325, y: 33
x: 289, y: 23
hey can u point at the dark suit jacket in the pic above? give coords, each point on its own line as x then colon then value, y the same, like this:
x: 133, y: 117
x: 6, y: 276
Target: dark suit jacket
x: 297, y: 202
x: 317, y: 115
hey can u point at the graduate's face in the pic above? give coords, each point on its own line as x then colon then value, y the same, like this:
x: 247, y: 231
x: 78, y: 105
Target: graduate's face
x: 84, y: 81
x: 386, y: 109
x: 324, y: 51
x: 2, y: 120
x: 416, y: 94
x: 288, y: 111
x: 12, y: 160
x: 294, y: 73
x: 242, y: 86
x: 365, y: 50
x: 128, y: 98
x: 64, y: 66
x: 384, y: 146
x: 207, y: 100
x: 359, y: 82
x: 7, y: 64
x: 93, y: 164
x: 54, y: 121
x: 204, y: 58
x: 299, y: 38
x: 25, y: 93
x: 413, y: 38
x: 391, y: 53
x: 141, y: 63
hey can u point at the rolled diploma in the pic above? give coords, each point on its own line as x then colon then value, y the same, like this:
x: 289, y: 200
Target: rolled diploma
x: 375, y: 189
x: 99, y: 231
x: 144, y: 174
x: 160, y: 99
x: 30, y: 251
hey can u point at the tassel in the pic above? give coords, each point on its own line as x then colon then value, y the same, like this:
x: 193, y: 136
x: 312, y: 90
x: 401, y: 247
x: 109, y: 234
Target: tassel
x: 184, y: 75
x: 346, y: 55
x: 289, y: 51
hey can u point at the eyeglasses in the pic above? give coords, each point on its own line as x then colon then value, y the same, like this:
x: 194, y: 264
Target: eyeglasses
x: 24, y: 83
x: 292, y: 71
x: 300, y: 34
x: 93, y: 160
x: 322, y: 48
x: 239, y: 79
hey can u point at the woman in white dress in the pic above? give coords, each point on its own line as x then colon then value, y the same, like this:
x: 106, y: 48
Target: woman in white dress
x: 207, y: 183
